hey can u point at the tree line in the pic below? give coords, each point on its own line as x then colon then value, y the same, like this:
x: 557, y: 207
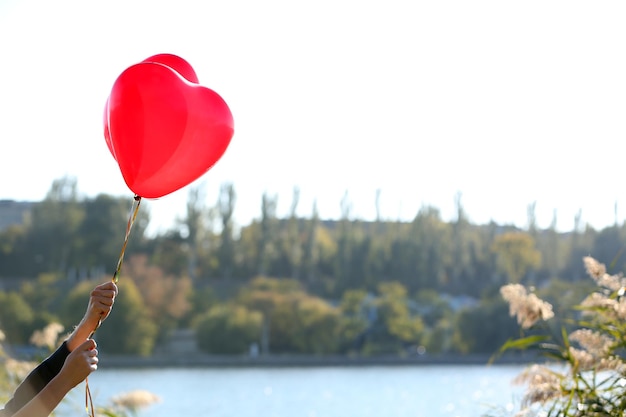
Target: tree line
x: 370, y: 287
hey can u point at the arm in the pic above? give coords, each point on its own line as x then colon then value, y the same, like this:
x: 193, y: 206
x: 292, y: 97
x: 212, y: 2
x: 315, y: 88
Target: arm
x: 99, y: 307
x: 37, y: 380
x: 78, y: 365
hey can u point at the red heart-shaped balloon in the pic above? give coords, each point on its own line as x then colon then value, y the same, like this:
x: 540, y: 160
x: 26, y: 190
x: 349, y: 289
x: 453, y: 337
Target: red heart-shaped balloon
x: 163, y: 130
x: 107, y: 135
x: 176, y: 63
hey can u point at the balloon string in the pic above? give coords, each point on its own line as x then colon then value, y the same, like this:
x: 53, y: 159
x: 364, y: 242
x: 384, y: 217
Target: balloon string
x: 131, y: 220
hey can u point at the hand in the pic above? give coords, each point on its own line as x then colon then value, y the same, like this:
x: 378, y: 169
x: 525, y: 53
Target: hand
x: 79, y: 364
x: 100, y: 304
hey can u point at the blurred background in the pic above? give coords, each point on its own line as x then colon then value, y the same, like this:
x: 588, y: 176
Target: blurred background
x: 393, y: 165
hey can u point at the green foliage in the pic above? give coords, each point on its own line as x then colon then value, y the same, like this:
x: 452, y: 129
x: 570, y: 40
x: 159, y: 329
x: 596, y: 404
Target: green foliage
x: 352, y: 302
x: 11, y: 255
x: 297, y: 322
x: 315, y: 324
x: 394, y: 312
x: 482, y: 328
x: 170, y: 253
x: 67, y: 238
x: 16, y: 317
x: 395, y: 327
x: 101, y: 231
x: 516, y: 254
x: 226, y: 207
x: 432, y: 307
x: 43, y: 295
x: 228, y: 329
x: 75, y: 303
x: 131, y: 318
x: 438, y: 338
x: 565, y: 296
x: 281, y: 286
x: 201, y: 299
x: 438, y: 321
x: 166, y: 298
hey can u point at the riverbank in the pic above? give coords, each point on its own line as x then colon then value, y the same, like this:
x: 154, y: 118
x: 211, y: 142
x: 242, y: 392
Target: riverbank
x: 181, y: 350
x: 219, y: 361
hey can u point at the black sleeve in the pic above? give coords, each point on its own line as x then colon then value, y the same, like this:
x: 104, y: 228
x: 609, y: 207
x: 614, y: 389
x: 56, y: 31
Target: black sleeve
x: 36, y: 380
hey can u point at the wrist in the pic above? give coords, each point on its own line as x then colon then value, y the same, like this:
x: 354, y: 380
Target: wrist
x: 81, y: 333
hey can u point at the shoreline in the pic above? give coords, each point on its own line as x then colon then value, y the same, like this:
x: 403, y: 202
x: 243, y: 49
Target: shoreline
x: 284, y: 361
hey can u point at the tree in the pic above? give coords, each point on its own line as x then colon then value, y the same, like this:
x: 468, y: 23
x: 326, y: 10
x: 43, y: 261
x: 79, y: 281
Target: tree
x: 43, y: 294
x: 53, y: 234
x: 226, y: 208
x: 472, y: 335
x: 267, y: 239
x: 228, y: 329
x: 378, y: 244
x: 461, y: 268
x: 169, y: 253
x: 310, y: 251
x: 292, y: 247
x: 102, y: 232
x: 355, y: 312
x: 295, y: 320
x: 12, y: 250
x: 428, y: 252
x: 343, y: 274
x: 166, y: 298
x: 516, y: 254
x: 318, y: 325
x: 551, y: 250
x: 396, y: 327
x: 608, y: 248
x: 580, y: 242
x: 195, y: 228
x: 16, y: 317
x: 202, y: 299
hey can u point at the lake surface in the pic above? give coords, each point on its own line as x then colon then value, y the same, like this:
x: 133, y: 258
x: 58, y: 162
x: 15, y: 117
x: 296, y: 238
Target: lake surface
x: 380, y: 391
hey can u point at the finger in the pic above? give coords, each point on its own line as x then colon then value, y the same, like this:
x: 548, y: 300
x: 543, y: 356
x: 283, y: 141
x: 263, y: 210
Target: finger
x: 109, y: 285
x: 88, y: 345
x: 106, y: 284
x: 93, y: 360
x: 108, y: 301
x: 103, y: 292
x: 110, y: 294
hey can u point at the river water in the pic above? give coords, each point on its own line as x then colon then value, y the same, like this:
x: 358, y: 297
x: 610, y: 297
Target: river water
x: 380, y: 391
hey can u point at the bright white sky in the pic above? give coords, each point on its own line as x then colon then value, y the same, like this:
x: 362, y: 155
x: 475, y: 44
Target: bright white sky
x: 507, y: 102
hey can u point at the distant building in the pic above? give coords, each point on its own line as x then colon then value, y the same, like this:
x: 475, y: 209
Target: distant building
x: 14, y: 212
